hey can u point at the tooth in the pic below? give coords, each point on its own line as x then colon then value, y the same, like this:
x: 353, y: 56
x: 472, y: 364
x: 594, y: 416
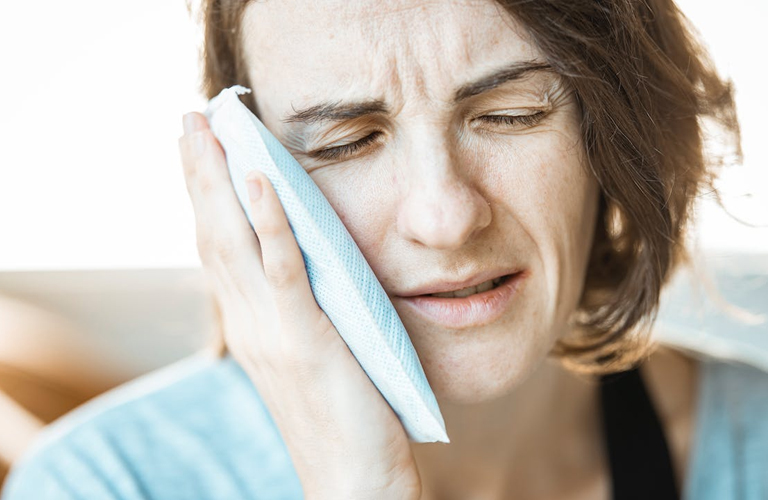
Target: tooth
x: 469, y: 290
x: 485, y: 286
x: 465, y: 292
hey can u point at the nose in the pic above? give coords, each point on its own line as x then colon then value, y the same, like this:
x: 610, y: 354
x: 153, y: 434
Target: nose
x: 442, y: 207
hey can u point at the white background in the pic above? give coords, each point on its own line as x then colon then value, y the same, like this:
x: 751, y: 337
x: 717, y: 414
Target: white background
x: 93, y: 94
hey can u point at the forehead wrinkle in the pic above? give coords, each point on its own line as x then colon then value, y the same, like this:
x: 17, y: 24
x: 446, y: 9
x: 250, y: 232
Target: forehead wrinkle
x: 384, y: 70
x: 372, y: 9
x: 403, y: 62
x: 411, y: 76
x: 401, y: 51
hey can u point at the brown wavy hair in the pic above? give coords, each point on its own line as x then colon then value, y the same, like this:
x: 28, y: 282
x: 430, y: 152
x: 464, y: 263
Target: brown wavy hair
x: 645, y: 86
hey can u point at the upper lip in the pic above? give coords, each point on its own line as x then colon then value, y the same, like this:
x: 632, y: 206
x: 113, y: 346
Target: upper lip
x: 451, y: 286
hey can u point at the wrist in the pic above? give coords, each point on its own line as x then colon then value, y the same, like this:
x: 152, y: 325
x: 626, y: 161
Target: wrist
x: 364, y: 493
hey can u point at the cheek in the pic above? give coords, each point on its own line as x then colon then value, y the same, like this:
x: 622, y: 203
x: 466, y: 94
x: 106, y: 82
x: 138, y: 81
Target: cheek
x: 543, y: 205
x: 542, y: 180
x: 362, y: 204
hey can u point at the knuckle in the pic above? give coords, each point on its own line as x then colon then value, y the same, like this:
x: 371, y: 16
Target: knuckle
x: 204, y: 248
x: 225, y: 249
x: 205, y: 183
x: 268, y: 226
x: 203, y: 236
x: 281, y: 271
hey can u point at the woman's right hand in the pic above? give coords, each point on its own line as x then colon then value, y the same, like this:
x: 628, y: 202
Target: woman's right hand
x: 344, y: 439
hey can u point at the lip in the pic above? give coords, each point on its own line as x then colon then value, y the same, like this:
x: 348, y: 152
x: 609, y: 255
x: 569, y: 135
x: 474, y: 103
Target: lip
x: 458, y: 285
x: 465, y: 312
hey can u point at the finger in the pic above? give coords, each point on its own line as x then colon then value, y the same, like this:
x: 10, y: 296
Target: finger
x: 282, y: 259
x: 194, y: 121
x: 223, y: 232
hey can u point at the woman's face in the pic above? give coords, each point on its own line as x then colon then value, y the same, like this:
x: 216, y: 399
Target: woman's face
x: 437, y: 186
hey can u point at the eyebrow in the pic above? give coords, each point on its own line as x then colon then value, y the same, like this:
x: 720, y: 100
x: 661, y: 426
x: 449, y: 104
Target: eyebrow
x: 514, y: 71
x: 338, y: 111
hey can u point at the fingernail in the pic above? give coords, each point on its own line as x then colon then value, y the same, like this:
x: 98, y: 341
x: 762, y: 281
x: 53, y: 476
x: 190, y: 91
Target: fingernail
x: 189, y: 123
x: 254, y: 186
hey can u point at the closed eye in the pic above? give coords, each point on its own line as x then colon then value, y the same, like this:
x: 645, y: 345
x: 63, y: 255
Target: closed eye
x: 347, y: 149
x: 514, y: 120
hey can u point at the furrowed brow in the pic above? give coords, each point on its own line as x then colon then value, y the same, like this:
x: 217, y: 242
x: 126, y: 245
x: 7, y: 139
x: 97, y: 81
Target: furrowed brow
x: 337, y: 111
x: 511, y: 72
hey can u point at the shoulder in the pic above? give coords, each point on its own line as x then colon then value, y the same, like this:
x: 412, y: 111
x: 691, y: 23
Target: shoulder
x: 713, y: 404
x: 195, y: 429
x: 715, y: 373
x: 730, y: 444
x: 738, y: 390
x: 709, y: 381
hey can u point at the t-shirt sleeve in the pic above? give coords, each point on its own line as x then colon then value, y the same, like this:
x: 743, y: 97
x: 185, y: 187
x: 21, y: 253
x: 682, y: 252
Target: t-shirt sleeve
x: 66, y: 473
x: 198, y: 431
x: 729, y: 458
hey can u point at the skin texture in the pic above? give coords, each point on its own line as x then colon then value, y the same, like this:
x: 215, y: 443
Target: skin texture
x: 442, y: 193
x: 441, y: 197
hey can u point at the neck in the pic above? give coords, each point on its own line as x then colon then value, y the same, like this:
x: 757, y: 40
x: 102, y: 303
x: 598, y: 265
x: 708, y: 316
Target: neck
x: 543, y: 436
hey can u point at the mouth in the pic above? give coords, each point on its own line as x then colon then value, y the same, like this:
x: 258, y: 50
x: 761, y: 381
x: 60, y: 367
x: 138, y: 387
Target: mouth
x: 471, y: 290
x: 469, y: 307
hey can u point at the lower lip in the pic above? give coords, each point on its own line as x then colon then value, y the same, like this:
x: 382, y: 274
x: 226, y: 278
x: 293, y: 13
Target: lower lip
x: 476, y: 310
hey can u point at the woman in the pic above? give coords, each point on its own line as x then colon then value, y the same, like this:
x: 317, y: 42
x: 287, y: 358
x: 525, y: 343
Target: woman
x: 555, y: 144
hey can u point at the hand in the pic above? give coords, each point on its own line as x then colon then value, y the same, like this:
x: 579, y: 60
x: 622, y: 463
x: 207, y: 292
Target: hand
x: 344, y: 439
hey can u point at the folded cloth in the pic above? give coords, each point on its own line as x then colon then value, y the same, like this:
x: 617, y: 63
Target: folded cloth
x: 341, y: 279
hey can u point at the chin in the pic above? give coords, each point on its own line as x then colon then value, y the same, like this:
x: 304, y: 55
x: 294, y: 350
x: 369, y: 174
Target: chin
x: 480, y: 372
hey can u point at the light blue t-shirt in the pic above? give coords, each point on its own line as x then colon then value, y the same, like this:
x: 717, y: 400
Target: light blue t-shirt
x: 198, y: 430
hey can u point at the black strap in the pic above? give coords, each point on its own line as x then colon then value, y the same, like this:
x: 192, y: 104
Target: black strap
x: 637, y: 449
